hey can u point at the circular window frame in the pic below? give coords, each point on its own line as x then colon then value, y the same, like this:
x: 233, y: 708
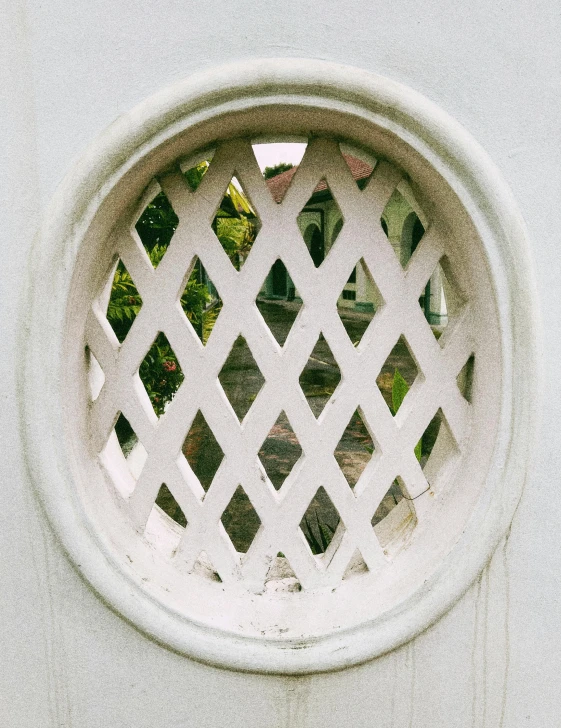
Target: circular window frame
x: 394, y: 110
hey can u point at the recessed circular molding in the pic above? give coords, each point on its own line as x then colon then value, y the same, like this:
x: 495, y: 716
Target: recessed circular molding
x: 229, y: 102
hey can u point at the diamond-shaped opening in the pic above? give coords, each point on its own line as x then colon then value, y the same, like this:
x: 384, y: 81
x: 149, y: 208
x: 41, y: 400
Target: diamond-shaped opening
x: 278, y: 162
x: 241, y: 378
x: 124, y: 456
x: 426, y: 444
x: 320, y: 376
x: 170, y: 506
x: 439, y: 449
x: 395, y: 517
x: 441, y: 300
x: 358, y: 302
x: 125, y: 434
x: 161, y: 374
x: 402, y: 226
x: 124, y: 302
x: 320, y: 522
x: 201, y: 301
x: 465, y: 378
x: 133, y: 450
x: 280, y: 451
x: 202, y: 451
x: 236, y: 224
x: 241, y: 521
x: 96, y: 377
x: 393, y: 497
x: 435, y: 451
x: 278, y: 301
x: 156, y: 226
x: 360, y: 163
x: 318, y: 236
x: 194, y: 173
x: 355, y: 449
x: 397, y: 375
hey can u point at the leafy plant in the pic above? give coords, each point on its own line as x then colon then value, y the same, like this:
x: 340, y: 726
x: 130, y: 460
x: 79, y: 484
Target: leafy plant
x: 270, y: 172
x: 236, y: 236
x: 160, y: 374
x: 160, y: 370
x: 399, y: 390
x: 208, y: 321
x: 319, y: 540
x: 157, y: 223
x: 124, y: 303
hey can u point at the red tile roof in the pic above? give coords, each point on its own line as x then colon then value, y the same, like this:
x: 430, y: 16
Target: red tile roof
x: 280, y: 184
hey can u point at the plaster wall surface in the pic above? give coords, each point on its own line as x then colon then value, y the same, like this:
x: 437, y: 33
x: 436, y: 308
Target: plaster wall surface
x: 68, y: 70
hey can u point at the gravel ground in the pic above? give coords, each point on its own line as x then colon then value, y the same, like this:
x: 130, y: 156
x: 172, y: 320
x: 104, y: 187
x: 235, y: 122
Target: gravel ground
x: 242, y: 380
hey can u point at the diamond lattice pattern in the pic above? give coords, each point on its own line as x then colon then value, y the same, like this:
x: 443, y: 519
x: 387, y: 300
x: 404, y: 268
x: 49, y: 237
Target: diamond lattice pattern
x: 280, y: 512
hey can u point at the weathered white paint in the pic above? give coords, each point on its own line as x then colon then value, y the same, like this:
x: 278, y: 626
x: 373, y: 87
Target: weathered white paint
x: 474, y: 472
x: 495, y: 659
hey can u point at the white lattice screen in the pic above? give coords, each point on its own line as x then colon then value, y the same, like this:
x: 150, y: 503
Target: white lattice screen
x: 280, y: 512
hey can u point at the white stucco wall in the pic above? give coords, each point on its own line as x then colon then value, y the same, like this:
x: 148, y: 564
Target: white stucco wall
x: 68, y: 70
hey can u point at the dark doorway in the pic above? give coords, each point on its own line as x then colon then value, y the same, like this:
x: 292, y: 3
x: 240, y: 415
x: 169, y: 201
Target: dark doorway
x: 317, y: 250
x: 279, y: 278
x: 416, y: 234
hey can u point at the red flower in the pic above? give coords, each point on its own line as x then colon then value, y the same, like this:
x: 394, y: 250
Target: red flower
x: 170, y: 366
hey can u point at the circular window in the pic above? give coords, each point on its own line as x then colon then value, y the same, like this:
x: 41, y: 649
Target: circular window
x: 278, y: 430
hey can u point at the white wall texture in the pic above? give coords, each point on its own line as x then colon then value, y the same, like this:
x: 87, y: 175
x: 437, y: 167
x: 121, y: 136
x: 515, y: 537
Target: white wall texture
x: 68, y: 69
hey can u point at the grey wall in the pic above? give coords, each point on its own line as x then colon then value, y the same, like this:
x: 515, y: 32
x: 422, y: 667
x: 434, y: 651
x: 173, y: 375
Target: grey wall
x: 68, y: 69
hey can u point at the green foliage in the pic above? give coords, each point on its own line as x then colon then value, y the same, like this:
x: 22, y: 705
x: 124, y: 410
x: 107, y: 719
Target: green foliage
x: 195, y: 175
x: 157, y: 223
x: 160, y: 370
x: 277, y: 169
x: 124, y: 303
x: 318, y: 540
x: 208, y: 320
x: 160, y: 374
x: 235, y: 203
x: 236, y: 236
x: 399, y: 390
